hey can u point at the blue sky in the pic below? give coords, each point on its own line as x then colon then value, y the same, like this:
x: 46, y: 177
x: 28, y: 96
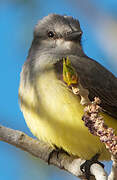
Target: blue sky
x: 17, y: 20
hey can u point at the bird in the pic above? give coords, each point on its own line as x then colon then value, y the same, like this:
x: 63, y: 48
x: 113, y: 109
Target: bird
x: 51, y: 110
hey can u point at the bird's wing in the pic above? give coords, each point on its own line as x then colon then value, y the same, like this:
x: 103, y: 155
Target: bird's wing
x: 99, y: 81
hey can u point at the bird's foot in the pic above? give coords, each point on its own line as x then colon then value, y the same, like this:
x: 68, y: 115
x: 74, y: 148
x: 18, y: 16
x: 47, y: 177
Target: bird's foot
x: 85, y: 167
x: 57, y: 151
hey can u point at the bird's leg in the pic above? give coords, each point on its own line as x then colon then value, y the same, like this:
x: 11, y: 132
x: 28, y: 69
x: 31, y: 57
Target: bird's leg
x: 57, y: 151
x: 85, y: 167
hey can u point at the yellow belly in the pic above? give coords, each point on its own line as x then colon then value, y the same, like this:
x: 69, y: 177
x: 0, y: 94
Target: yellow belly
x: 54, y: 114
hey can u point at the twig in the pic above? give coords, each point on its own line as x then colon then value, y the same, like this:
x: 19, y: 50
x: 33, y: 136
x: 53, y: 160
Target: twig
x: 113, y: 174
x: 95, y: 123
x: 99, y: 172
x: 42, y: 150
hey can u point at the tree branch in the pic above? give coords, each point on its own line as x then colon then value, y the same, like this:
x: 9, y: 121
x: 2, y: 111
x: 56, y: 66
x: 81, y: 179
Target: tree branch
x: 42, y: 150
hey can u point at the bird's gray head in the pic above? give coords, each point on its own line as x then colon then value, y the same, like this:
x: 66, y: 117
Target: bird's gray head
x: 57, y: 36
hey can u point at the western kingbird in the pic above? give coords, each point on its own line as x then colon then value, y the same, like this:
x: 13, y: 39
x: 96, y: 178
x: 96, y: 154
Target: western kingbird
x: 51, y: 110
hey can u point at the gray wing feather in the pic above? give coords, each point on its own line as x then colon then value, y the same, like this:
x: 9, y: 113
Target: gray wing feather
x: 99, y: 81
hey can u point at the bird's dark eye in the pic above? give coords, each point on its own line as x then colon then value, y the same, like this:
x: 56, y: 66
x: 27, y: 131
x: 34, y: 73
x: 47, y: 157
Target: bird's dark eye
x: 50, y: 34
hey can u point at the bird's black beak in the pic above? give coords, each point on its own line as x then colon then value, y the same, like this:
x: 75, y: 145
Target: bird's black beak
x: 75, y: 35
